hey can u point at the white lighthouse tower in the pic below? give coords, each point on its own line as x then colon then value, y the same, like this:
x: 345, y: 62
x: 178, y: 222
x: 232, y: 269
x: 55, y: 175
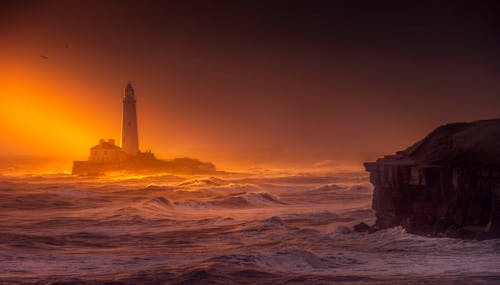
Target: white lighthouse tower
x: 130, y: 140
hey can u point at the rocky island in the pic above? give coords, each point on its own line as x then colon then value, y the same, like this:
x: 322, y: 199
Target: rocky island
x: 447, y: 184
x: 141, y: 163
x: 107, y: 157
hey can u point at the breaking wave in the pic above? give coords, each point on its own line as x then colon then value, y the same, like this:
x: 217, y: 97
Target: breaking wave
x: 240, y: 200
x: 230, y: 229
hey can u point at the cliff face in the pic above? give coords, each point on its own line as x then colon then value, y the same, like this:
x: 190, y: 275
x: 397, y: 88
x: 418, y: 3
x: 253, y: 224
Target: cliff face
x: 447, y: 184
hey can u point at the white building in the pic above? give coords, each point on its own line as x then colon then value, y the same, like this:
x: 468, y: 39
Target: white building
x: 107, y: 151
x: 129, y: 140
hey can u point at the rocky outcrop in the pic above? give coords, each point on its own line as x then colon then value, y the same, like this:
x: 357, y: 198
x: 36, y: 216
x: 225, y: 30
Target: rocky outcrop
x: 144, y: 163
x: 447, y: 184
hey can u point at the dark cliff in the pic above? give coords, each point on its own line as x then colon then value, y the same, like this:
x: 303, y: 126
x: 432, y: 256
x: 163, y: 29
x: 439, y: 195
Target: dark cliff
x: 447, y: 184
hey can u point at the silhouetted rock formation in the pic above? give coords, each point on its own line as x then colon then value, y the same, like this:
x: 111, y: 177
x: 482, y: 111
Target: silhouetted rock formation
x: 447, y: 184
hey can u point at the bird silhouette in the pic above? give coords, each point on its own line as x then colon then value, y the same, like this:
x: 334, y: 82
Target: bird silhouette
x: 44, y: 57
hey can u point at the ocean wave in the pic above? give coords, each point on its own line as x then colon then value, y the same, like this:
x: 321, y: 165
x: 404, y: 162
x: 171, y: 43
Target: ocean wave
x: 289, y: 260
x: 158, y: 188
x: 239, y: 200
x: 158, y: 203
x: 212, y: 181
x: 231, y: 229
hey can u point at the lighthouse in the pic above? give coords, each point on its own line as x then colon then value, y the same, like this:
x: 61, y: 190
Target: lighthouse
x: 130, y: 140
x: 108, y: 157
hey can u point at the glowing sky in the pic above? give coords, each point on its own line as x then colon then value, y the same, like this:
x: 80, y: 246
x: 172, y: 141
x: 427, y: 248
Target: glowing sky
x: 245, y: 81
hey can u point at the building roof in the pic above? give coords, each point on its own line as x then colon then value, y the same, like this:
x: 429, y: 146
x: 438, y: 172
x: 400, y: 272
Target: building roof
x: 106, y: 145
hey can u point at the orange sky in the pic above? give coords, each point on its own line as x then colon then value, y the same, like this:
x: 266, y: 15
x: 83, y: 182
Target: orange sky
x: 236, y: 85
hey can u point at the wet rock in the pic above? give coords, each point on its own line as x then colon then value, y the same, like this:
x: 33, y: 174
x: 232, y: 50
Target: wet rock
x: 362, y: 227
x: 447, y: 184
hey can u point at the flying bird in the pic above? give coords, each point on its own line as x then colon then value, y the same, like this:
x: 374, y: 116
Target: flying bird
x: 44, y: 57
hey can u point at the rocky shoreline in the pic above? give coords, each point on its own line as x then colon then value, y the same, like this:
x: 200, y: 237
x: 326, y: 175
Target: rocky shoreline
x: 447, y: 184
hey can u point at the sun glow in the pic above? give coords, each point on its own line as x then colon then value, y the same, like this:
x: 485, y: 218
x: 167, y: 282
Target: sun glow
x: 42, y: 119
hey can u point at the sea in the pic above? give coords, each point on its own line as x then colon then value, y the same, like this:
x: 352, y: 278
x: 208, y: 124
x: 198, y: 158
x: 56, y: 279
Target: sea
x: 260, y: 226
